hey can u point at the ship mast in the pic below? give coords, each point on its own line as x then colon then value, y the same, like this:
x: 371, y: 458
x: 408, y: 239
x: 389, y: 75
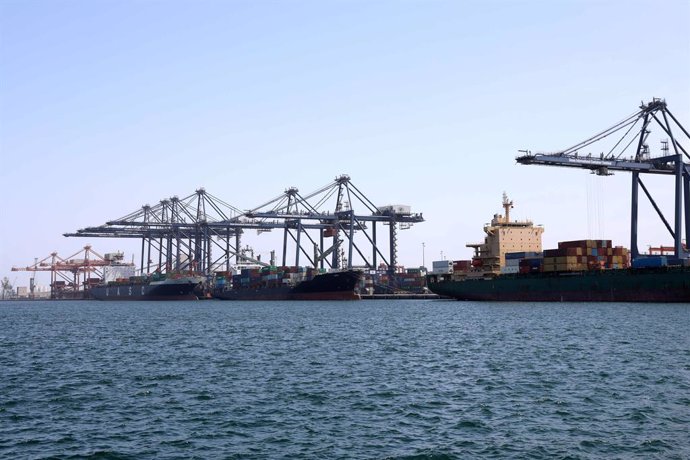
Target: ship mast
x: 507, y: 204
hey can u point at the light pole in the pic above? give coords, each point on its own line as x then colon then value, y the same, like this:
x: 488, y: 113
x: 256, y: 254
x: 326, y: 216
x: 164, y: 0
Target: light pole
x: 423, y: 264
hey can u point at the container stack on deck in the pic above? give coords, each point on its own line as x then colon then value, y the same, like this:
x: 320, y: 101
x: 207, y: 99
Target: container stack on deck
x: 517, y: 261
x: 462, y: 265
x: 531, y: 264
x: 254, y: 278
x: 570, y: 256
x: 584, y: 255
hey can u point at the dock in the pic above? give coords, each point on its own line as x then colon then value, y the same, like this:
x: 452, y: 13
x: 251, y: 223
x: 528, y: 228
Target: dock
x: 400, y: 296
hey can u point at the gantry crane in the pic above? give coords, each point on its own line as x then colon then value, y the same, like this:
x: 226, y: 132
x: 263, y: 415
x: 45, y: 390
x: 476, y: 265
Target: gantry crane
x: 69, y: 274
x: 182, y: 231
x: 185, y: 231
x: 642, y: 161
x: 336, y: 209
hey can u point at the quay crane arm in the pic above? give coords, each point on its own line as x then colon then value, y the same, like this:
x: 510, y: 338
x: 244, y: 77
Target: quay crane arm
x: 602, y: 163
x: 600, y: 166
x: 640, y: 162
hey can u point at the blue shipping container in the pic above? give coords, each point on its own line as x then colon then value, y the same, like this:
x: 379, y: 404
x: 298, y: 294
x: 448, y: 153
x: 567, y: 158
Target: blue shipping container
x: 648, y: 262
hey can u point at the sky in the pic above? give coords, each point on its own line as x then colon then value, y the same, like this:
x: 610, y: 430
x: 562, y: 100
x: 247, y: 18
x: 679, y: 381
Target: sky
x: 106, y: 106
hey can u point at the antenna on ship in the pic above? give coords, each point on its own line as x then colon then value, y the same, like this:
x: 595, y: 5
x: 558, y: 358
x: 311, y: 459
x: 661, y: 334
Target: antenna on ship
x: 507, y: 204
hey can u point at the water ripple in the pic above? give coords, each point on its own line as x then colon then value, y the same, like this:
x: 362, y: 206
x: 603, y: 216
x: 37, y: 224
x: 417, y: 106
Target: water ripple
x: 369, y: 380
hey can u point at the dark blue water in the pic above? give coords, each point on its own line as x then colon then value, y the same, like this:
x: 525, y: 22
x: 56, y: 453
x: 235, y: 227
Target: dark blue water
x: 369, y: 379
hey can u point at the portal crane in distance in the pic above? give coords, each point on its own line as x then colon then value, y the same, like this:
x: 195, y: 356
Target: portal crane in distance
x: 71, y: 273
x: 641, y: 162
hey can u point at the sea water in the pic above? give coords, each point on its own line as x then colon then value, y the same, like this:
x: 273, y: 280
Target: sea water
x: 370, y: 379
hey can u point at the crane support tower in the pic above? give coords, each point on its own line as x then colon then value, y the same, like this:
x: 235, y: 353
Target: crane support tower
x: 635, y: 131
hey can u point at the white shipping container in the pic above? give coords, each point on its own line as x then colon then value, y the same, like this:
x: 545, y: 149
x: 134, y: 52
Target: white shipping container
x: 113, y: 272
x: 441, y: 267
x: 442, y: 264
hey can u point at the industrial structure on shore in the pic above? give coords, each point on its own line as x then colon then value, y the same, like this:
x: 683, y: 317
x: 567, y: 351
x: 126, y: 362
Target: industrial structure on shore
x: 203, y: 233
x: 72, y: 275
x: 332, y: 228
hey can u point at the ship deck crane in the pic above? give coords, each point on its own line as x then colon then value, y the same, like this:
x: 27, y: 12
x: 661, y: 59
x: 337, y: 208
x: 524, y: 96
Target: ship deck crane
x: 655, y: 113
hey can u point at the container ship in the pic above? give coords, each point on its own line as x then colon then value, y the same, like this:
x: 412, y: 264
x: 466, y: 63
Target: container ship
x: 287, y: 283
x: 511, y: 266
x: 154, y: 287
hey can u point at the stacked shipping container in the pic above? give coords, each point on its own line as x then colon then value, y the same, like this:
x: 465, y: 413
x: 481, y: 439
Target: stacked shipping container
x: 462, y: 265
x: 412, y: 280
x: 530, y: 265
x: 516, y: 261
x: 580, y: 255
x: 583, y: 255
x: 253, y: 278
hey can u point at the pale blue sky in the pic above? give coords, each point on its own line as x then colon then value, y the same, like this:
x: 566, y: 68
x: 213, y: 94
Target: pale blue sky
x: 108, y: 105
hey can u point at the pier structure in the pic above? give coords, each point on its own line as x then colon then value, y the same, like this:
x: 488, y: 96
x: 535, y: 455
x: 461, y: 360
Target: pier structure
x: 332, y: 227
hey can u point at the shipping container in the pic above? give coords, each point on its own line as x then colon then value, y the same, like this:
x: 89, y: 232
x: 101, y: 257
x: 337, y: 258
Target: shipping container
x: 442, y: 267
x: 462, y: 265
x: 646, y: 262
x: 521, y: 255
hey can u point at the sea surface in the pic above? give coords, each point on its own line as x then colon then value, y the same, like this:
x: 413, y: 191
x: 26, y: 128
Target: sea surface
x: 380, y: 379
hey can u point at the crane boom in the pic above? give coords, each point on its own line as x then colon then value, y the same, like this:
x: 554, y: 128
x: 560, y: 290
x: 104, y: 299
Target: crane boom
x: 602, y: 165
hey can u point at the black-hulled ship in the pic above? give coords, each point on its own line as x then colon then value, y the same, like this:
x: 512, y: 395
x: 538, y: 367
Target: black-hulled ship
x: 288, y: 283
x: 154, y: 287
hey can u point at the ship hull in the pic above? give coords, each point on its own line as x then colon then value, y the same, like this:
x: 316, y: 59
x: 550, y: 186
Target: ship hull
x: 165, y: 291
x: 327, y: 286
x: 670, y: 285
